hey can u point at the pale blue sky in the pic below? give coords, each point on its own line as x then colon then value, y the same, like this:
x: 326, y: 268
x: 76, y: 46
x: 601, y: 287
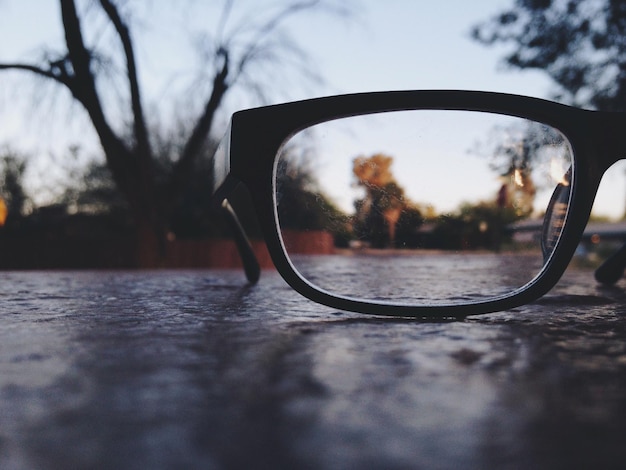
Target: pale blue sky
x: 391, y: 44
x: 404, y: 44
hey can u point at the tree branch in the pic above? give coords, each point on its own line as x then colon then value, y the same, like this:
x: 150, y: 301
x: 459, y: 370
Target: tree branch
x: 84, y: 90
x: 223, y: 80
x: 192, y: 148
x: 144, y: 176
x: 80, y: 58
x: 140, y: 128
x: 266, y: 29
x: 58, y: 77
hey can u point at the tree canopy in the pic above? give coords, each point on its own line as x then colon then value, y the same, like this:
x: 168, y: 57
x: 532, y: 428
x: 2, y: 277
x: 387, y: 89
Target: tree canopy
x: 384, y: 210
x: 578, y: 43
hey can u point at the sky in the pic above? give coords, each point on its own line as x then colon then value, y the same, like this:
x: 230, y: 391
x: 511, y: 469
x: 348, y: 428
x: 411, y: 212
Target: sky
x: 390, y: 45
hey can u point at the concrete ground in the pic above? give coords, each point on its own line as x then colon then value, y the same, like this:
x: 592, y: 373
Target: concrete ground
x: 194, y: 369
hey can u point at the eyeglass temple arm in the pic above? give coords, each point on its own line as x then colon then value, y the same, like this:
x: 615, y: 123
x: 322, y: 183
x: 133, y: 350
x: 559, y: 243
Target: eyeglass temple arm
x: 612, y: 269
x: 246, y: 253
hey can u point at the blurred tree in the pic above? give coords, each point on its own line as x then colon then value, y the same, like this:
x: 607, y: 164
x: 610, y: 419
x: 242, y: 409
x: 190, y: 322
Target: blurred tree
x: 580, y: 44
x: 515, y: 152
x: 302, y: 204
x: 410, y: 220
x: 517, y: 191
x: 86, y: 65
x: 512, y: 158
x: 378, y: 214
x: 94, y: 191
x: 12, y: 192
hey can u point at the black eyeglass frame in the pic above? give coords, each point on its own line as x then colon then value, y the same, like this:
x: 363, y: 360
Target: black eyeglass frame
x: 249, y: 152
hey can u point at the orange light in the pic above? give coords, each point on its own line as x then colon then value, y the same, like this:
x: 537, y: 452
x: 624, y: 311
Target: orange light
x: 4, y: 212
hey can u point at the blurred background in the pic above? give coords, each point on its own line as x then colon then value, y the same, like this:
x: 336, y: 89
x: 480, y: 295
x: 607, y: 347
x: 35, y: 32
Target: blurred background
x: 110, y: 110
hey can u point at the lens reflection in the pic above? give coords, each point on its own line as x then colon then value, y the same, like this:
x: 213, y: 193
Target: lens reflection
x: 422, y: 207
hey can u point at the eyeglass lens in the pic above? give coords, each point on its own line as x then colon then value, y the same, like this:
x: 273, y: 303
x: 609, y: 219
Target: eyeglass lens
x: 422, y: 207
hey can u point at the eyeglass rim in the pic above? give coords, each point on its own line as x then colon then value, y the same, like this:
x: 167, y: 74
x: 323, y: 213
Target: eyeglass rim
x: 256, y: 136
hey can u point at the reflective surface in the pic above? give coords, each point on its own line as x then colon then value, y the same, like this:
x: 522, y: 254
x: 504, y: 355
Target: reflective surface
x: 421, y: 278
x: 196, y: 370
x: 411, y: 198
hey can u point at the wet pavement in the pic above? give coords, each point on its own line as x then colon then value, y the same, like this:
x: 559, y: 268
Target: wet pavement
x: 193, y: 369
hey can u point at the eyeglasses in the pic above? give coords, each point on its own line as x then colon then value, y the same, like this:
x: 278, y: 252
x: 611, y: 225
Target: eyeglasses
x: 419, y: 203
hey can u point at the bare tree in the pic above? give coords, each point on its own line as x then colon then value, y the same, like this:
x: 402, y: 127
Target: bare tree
x: 132, y: 159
